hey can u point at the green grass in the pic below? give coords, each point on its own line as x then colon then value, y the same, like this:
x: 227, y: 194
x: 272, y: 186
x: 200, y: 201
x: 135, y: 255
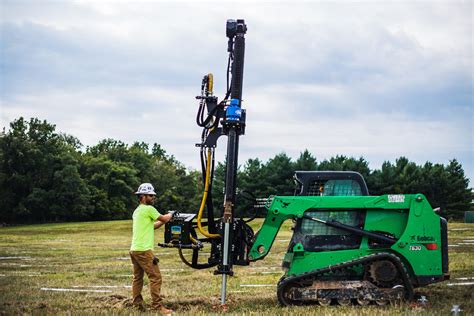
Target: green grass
x: 94, y: 256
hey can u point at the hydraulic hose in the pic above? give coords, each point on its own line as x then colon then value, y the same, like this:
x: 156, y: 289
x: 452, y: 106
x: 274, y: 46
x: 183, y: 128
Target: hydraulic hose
x: 198, y: 266
x: 195, y: 241
x: 210, y: 84
x: 204, y: 197
x: 194, y: 261
x: 254, y: 200
x: 207, y: 87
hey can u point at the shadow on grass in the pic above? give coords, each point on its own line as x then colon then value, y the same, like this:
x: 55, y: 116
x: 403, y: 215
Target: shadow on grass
x: 213, y: 304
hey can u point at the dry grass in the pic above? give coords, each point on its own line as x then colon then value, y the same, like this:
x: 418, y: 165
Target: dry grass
x: 94, y: 257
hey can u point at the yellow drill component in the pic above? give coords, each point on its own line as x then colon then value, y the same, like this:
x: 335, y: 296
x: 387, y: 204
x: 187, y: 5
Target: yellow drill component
x: 204, y: 198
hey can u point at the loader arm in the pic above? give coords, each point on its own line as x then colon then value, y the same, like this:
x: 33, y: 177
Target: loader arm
x: 280, y: 210
x: 267, y: 233
x: 283, y: 208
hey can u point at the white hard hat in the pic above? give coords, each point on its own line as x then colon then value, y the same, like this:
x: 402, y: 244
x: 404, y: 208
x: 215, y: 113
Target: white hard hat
x: 146, y: 188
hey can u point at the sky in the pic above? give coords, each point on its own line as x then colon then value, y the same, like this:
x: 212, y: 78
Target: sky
x: 375, y: 79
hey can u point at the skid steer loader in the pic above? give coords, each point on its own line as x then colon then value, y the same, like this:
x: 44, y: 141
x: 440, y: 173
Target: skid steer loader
x: 347, y: 246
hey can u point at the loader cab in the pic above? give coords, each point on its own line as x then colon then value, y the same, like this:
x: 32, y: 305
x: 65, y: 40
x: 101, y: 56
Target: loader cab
x: 316, y: 236
x: 330, y: 183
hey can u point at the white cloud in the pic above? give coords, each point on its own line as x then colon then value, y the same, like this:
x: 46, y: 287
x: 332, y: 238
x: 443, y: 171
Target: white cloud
x: 378, y: 80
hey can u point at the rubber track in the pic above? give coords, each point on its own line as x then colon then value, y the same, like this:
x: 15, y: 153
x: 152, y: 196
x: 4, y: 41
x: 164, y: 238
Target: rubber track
x: 312, y: 275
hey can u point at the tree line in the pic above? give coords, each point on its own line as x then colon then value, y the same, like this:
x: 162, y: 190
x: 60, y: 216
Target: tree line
x: 48, y: 176
x: 445, y: 186
x: 44, y: 176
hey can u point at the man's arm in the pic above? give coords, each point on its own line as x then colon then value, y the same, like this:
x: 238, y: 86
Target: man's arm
x: 162, y: 219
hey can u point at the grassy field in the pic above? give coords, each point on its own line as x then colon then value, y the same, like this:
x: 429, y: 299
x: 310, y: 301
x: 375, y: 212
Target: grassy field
x: 84, y: 268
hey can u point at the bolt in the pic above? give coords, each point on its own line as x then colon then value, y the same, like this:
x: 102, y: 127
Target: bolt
x: 456, y: 310
x: 423, y: 300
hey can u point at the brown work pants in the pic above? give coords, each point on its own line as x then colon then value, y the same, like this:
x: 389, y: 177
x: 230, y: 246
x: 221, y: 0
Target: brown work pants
x: 145, y: 262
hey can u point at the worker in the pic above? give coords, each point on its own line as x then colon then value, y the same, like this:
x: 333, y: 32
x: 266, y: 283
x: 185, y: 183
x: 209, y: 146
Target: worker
x: 145, y: 219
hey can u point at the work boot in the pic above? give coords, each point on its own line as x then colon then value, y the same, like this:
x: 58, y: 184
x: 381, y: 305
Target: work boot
x: 162, y: 310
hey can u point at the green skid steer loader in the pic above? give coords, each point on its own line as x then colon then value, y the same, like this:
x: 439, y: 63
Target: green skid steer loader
x: 351, y: 247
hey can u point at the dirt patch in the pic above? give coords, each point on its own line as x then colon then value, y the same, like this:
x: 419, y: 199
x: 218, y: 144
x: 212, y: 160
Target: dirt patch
x: 114, y: 301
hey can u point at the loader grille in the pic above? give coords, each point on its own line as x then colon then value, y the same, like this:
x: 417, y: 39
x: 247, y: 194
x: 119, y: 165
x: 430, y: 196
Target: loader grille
x: 317, y: 236
x: 334, y: 188
x: 310, y: 227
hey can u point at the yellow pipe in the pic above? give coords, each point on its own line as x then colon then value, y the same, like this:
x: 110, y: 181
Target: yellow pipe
x: 210, y: 83
x: 204, y: 198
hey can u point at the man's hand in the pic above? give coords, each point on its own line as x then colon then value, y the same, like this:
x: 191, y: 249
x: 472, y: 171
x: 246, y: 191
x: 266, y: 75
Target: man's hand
x: 165, y: 218
x: 162, y: 220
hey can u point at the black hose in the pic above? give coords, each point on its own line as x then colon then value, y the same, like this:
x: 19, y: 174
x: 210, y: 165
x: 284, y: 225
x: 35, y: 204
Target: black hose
x: 209, y: 203
x: 194, y: 264
x: 204, y: 122
x: 227, y: 75
x: 252, y: 198
x: 203, y: 165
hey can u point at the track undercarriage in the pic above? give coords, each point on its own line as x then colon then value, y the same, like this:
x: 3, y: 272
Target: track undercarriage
x: 384, y: 280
